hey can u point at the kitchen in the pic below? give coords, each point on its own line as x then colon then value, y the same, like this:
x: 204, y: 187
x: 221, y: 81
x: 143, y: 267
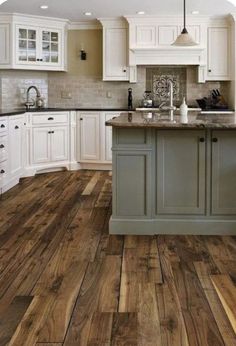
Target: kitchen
x: 117, y: 202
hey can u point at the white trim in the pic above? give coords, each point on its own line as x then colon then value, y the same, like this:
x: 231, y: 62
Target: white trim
x: 85, y: 25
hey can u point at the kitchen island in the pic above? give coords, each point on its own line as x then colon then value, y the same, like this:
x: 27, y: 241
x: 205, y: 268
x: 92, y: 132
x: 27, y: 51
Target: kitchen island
x: 173, y: 178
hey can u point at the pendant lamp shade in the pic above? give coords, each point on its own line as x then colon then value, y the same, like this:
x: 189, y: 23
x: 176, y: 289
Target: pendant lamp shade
x: 184, y: 39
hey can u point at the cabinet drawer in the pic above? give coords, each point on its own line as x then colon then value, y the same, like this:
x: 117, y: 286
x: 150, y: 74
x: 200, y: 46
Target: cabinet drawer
x: 53, y: 118
x: 3, y: 148
x: 3, y: 125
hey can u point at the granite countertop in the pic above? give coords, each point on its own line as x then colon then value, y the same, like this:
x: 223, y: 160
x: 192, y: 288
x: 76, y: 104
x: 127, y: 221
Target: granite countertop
x: 196, y: 121
x: 8, y: 112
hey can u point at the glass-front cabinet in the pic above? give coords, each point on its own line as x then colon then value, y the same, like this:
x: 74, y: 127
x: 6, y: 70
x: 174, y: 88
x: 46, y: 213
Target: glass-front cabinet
x: 37, y: 46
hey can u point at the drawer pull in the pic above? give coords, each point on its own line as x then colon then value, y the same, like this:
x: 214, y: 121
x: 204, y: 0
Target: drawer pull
x: 2, y: 171
x: 202, y: 139
x: 214, y: 140
x: 51, y: 118
x: 16, y: 127
x: 2, y: 126
x: 50, y: 132
x: 2, y: 146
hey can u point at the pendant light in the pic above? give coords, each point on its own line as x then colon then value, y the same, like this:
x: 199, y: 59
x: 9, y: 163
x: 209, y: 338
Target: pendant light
x: 184, y: 39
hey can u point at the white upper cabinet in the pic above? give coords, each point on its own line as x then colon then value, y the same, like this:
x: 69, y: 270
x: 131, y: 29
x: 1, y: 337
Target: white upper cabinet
x: 218, y: 65
x: 115, y: 50
x: 33, y: 43
x: 4, y: 44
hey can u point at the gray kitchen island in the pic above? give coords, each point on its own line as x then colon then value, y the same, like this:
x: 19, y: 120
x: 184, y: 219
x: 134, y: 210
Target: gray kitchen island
x: 173, y: 178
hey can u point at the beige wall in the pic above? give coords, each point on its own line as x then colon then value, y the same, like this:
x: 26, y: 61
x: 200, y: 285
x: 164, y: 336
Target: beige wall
x: 91, y: 40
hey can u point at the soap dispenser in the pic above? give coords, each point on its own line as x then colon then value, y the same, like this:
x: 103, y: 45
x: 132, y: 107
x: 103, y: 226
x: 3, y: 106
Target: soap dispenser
x: 184, y: 112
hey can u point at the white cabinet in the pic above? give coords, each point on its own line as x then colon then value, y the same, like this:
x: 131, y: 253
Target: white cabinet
x: 40, y: 146
x: 94, y: 138
x: 89, y: 136
x: 16, y: 132
x: 4, y: 44
x: 115, y: 50
x: 49, y: 138
x: 33, y: 43
x: 218, y: 66
x: 37, y: 46
x: 59, y: 143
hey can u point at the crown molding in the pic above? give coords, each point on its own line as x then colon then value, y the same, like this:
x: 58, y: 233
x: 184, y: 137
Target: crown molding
x: 85, y: 25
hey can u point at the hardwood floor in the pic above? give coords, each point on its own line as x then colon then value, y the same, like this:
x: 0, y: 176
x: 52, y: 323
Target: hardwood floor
x: 65, y: 281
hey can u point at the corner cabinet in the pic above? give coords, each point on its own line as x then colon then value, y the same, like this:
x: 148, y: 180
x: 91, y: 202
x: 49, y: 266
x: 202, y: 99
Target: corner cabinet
x: 115, y: 50
x: 30, y: 46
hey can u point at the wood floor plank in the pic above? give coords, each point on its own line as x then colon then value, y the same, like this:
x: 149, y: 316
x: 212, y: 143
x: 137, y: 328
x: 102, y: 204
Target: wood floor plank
x: 101, y: 329
x: 91, y: 185
x: 204, y: 271
x: 33, y: 320
x: 124, y: 329
x: 226, y: 291
x: 141, y: 264
x: 148, y: 328
x: 12, y: 317
x: 99, y: 292
x: 200, y: 323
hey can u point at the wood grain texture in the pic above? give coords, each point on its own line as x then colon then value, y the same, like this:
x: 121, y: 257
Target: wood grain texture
x: 226, y: 291
x: 64, y: 281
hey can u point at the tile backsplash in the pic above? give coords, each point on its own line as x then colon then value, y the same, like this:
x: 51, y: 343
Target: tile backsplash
x: 66, y: 90
x: 14, y: 85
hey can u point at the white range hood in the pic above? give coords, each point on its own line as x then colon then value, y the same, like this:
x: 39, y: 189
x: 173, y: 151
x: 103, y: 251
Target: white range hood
x: 167, y: 56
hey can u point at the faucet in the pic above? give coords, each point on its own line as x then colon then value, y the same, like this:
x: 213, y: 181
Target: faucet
x: 29, y: 104
x: 171, y: 108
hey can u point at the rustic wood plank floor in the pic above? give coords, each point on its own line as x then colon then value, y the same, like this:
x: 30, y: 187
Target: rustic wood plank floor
x: 65, y: 281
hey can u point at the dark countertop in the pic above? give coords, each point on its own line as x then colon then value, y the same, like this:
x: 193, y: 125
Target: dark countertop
x: 196, y: 121
x: 9, y: 112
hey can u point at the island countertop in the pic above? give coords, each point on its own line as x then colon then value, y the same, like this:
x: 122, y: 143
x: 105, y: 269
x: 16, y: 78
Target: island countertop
x: 161, y: 121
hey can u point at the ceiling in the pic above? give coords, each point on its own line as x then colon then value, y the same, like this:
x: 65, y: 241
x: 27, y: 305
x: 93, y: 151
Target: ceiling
x: 74, y: 9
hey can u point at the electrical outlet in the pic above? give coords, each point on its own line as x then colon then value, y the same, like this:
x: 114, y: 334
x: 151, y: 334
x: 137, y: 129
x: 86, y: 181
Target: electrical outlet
x: 109, y: 94
x: 66, y: 95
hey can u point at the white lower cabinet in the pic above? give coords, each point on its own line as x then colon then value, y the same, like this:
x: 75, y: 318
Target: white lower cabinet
x: 59, y: 143
x: 16, y: 132
x: 40, y: 148
x: 94, y: 137
x: 89, y: 136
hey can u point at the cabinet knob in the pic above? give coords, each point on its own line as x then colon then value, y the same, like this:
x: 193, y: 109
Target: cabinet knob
x: 2, y: 126
x: 209, y: 70
x: 202, y: 139
x: 2, y: 171
x: 50, y: 118
x: 214, y: 140
x: 52, y: 131
x: 49, y: 132
x: 16, y: 127
x: 81, y: 119
x: 124, y: 70
x: 2, y: 146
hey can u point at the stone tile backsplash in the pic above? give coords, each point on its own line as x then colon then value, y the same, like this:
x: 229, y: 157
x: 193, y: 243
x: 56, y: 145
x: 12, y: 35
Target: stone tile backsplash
x: 14, y: 85
x: 65, y: 90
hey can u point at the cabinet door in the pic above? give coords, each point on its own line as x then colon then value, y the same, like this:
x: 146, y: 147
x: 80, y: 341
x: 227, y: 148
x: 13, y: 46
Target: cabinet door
x: 181, y: 172
x: 59, y: 143
x: 16, y: 129
x: 4, y: 44
x: 51, y: 46
x: 218, y: 54
x: 223, y: 172
x: 40, y: 145
x: 108, y: 136
x: 90, y: 136
x: 27, y: 45
x: 115, y: 54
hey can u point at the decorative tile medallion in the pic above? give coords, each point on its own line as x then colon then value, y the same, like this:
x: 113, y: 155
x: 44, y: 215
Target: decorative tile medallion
x: 158, y: 82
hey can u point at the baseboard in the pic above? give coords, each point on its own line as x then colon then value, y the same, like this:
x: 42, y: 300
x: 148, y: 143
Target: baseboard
x: 10, y: 184
x: 173, y: 226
